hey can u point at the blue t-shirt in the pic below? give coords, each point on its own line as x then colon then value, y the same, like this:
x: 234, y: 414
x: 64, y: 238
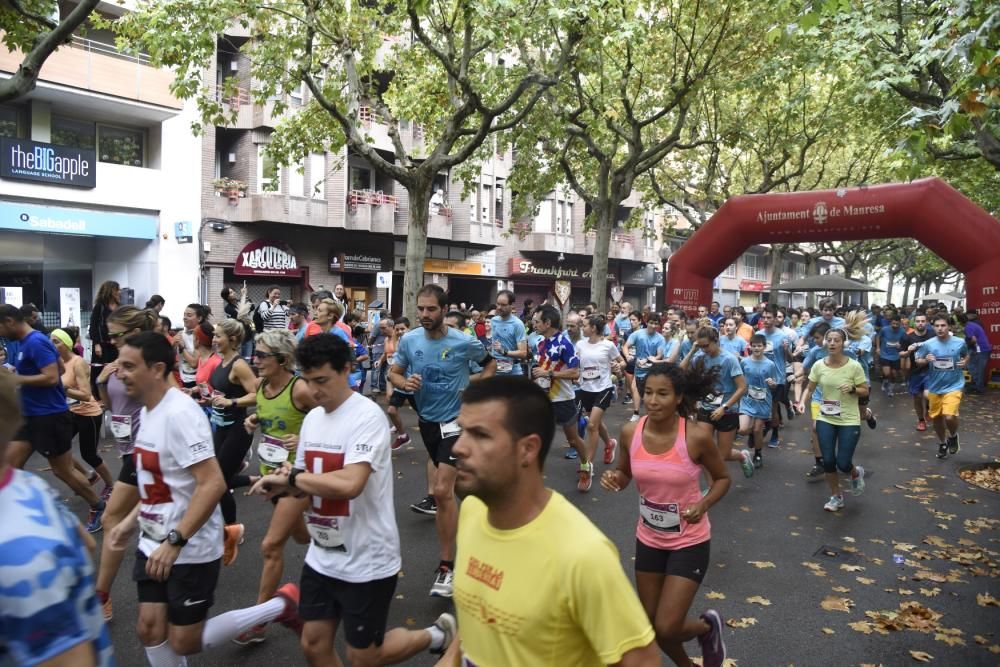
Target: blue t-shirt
x: 645, y: 345
x: 834, y: 322
x: 729, y: 368
x: 861, y: 351
x: 889, y: 340
x: 37, y: 352
x: 508, y: 333
x: 717, y: 319
x: 757, y: 401
x: 624, y: 326
x: 736, y: 345
x: 534, y: 338
x: 443, y: 367
x: 686, y: 346
x: 48, y: 603
x: 944, y: 375
x: 812, y: 356
x: 774, y: 350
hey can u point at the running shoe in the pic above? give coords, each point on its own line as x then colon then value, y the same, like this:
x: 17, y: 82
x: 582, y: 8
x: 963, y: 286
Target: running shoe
x: 232, y: 538
x: 713, y: 648
x: 834, y: 504
x: 953, y: 446
x: 747, y: 463
x: 815, y: 473
x: 610, y: 451
x: 447, y: 624
x: 858, y: 481
x: 290, y: 617
x: 106, y: 493
x: 627, y: 401
x: 634, y: 417
x: 774, y: 441
x: 443, y: 586
x: 942, y: 451
x: 94, y: 519
x: 425, y: 506
x: 254, y: 635
x: 401, y: 440
x: 921, y: 425
x: 758, y: 460
x: 571, y: 453
x: 871, y: 421
x: 586, y: 477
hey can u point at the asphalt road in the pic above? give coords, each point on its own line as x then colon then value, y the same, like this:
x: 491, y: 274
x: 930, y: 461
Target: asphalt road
x: 771, y: 538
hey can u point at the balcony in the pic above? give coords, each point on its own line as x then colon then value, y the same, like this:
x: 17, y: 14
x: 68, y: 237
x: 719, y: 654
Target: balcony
x: 240, y: 102
x: 439, y: 225
x: 270, y: 207
x: 101, y: 68
x: 548, y: 242
x: 623, y: 246
x: 371, y: 211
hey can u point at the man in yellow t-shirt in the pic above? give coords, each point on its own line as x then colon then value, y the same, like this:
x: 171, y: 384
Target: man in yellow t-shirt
x: 536, y: 583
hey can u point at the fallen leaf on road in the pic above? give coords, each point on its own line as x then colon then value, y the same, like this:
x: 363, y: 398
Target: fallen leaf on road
x: 861, y: 626
x: 744, y: 508
x: 982, y: 641
x: 827, y: 631
x: 921, y: 656
x: 756, y: 599
x: 865, y: 580
x: 852, y: 568
x: 761, y: 564
x: 841, y: 589
x: 904, y: 591
x: 741, y: 623
x: 930, y: 592
x: 950, y: 640
x: 985, y: 599
x: 849, y: 539
x: 834, y: 603
x: 713, y: 595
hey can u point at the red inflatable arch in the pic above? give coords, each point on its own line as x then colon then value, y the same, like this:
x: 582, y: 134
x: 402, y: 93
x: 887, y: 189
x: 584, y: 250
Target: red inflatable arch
x: 929, y: 210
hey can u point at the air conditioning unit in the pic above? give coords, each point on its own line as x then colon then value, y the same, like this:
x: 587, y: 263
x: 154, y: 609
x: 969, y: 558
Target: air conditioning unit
x: 234, y: 66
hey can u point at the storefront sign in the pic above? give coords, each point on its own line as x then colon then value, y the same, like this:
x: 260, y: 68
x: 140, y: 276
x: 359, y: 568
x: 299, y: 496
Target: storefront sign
x: 358, y: 262
x: 643, y: 275
x: 752, y: 286
x: 524, y: 267
x: 453, y: 267
x: 25, y: 160
x: 63, y: 220
x: 265, y: 257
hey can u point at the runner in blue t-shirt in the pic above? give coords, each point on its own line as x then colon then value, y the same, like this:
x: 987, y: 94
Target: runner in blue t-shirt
x: 889, y: 339
x: 642, y: 349
x: 946, y: 356
x: 48, y: 424
x: 729, y: 341
x: 433, y: 364
x: 777, y: 348
x: 755, y: 408
x: 510, y: 341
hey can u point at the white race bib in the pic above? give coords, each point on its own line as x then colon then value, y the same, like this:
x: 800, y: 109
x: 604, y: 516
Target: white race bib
x: 121, y: 427
x: 888, y: 344
x: 272, y: 451
x: 591, y: 373
x: 946, y: 364
x: 662, y: 517
x: 830, y: 408
x: 543, y: 382
x: 325, y: 531
x: 153, y: 525
x: 643, y: 363
x: 757, y: 393
x: 450, y: 429
x: 505, y: 365
x: 769, y: 348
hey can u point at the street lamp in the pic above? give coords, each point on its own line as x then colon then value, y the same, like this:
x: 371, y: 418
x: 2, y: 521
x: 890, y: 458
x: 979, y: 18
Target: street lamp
x: 664, y: 253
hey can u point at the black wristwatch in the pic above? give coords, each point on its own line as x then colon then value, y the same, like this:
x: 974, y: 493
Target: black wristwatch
x: 292, y: 475
x: 175, y: 539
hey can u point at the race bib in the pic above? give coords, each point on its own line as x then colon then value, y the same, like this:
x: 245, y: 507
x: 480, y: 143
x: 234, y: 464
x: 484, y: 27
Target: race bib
x: 325, y: 531
x: 712, y: 402
x: 662, y: 517
x: 643, y: 363
x: 153, y: 525
x: 272, y: 451
x: 450, y: 429
x: 505, y: 365
x: 892, y: 344
x: 543, y: 382
x: 830, y: 408
x: 591, y: 373
x: 391, y: 359
x: 121, y: 427
x: 757, y: 393
x: 769, y: 348
x: 944, y: 364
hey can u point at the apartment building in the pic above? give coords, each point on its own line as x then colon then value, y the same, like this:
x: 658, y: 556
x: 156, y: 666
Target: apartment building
x: 96, y: 182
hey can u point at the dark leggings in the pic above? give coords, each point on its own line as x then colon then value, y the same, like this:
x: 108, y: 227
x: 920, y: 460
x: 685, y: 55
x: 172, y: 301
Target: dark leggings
x: 89, y: 429
x: 231, y: 445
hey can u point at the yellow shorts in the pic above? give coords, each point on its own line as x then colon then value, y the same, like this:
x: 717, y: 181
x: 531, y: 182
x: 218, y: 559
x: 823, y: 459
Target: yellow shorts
x: 814, y: 408
x: 943, y: 404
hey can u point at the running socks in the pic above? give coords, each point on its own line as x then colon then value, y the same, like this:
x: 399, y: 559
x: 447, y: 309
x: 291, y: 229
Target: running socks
x: 164, y: 656
x: 437, y: 638
x: 223, y: 628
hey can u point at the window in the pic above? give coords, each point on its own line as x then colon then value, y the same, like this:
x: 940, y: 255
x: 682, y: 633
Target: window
x: 8, y: 122
x: 486, y: 200
x: 317, y: 176
x: 753, y: 266
x: 73, y: 133
x: 267, y: 171
x: 730, y: 271
x: 361, y: 178
x: 297, y: 179
x: 120, y: 145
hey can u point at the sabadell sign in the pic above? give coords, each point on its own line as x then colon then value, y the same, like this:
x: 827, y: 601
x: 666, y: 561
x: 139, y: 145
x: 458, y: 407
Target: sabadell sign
x: 265, y: 257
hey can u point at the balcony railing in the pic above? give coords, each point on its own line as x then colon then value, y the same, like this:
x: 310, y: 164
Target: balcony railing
x: 90, y: 46
x: 240, y: 97
x: 371, y: 198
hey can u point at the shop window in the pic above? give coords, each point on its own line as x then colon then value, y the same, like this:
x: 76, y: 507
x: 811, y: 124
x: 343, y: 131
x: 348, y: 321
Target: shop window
x: 8, y: 122
x: 119, y: 145
x: 73, y: 133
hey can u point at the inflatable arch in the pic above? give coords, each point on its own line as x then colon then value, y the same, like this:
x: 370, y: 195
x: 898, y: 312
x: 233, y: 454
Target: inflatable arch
x: 928, y: 210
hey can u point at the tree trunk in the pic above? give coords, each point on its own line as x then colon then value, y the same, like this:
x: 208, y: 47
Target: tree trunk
x: 864, y: 279
x: 777, y: 252
x: 812, y: 269
x: 888, y: 289
x: 602, y: 246
x: 906, y: 291
x: 416, y: 245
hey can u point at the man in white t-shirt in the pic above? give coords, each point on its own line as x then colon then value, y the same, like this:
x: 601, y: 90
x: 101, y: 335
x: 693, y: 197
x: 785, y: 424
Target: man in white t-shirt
x: 180, y: 543
x: 343, y: 474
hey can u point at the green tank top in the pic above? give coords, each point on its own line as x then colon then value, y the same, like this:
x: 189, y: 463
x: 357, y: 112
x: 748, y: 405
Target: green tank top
x: 278, y: 417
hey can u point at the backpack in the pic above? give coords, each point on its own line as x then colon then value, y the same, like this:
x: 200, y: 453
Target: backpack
x: 258, y: 321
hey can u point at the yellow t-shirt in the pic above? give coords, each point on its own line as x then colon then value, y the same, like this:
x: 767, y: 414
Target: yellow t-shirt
x: 836, y: 407
x: 552, y: 592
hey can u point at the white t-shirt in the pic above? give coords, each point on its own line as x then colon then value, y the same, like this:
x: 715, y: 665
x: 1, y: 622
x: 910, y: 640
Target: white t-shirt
x: 595, y: 364
x: 361, y: 535
x: 174, y: 436
x: 187, y: 371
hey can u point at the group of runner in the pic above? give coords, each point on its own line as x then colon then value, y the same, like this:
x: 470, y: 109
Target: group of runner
x: 518, y: 555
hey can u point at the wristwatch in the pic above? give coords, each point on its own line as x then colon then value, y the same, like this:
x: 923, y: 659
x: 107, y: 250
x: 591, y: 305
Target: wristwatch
x: 292, y: 475
x: 175, y: 539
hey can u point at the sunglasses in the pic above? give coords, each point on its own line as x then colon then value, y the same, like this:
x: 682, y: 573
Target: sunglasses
x: 264, y: 355
x: 115, y: 336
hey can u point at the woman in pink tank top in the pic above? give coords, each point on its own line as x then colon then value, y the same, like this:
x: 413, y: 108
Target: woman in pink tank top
x: 666, y: 457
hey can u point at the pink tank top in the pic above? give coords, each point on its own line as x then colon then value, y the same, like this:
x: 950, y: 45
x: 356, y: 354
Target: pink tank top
x: 667, y: 484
